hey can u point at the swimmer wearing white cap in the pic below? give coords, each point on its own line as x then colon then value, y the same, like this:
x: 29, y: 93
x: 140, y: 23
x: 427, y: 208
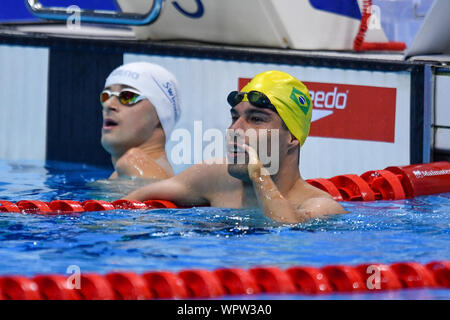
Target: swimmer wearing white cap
x: 140, y: 109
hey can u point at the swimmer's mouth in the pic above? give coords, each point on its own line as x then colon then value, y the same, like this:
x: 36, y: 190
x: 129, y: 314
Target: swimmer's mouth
x: 109, y: 123
x: 233, y: 150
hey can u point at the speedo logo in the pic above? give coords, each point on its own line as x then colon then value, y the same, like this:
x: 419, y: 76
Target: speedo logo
x: 126, y: 73
x: 325, y: 102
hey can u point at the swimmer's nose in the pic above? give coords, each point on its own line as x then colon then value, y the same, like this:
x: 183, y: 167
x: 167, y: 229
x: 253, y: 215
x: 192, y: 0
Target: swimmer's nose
x: 238, y: 124
x: 112, y: 104
x: 236, y: 133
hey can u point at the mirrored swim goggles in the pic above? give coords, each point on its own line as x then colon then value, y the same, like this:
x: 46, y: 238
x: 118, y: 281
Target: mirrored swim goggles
x: 256, y: 98
x: 127, y: 96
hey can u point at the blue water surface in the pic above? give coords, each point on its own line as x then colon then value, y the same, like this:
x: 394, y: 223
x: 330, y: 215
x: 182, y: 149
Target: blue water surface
x: 382, y: 231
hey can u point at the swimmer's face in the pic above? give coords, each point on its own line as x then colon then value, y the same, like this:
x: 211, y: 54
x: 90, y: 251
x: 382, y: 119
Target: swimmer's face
x: 126, y: 127
x: 256, y: 125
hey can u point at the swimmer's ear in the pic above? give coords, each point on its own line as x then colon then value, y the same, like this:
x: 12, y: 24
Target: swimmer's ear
x: 293, y: 143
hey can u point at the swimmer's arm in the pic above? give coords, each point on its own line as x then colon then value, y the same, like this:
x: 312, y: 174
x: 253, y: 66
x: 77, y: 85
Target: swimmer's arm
x: 181, y: 189
x: 280, y: 209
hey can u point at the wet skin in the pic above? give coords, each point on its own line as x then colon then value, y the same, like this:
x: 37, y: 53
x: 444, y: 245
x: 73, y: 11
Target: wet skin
x: 284, y: 197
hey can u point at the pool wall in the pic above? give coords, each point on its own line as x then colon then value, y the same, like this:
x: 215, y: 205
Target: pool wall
x: 23, y: 106
x: 68, y: 74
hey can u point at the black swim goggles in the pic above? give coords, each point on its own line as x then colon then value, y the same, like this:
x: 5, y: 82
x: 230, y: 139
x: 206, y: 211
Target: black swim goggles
x: 256, y: 98
x: 127, y: 96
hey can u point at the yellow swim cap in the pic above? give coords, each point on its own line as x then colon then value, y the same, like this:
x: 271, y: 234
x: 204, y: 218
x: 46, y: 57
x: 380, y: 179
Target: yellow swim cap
x: 289, y: 96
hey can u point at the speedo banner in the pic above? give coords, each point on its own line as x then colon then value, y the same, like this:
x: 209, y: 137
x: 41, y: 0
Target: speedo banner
x: 350, y: 111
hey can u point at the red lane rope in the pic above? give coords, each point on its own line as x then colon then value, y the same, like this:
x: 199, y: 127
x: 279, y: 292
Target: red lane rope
x: 199, y: 283
x: 72, y: 207
x: 392, y: 183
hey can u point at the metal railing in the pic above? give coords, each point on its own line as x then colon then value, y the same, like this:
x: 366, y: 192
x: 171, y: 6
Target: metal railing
x: 95, y: 16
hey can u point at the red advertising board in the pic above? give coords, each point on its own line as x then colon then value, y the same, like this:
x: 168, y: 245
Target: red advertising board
x: 351, y: 111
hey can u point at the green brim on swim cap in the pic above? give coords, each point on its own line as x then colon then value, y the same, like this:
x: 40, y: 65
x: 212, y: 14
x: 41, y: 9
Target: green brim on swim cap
x: 289, y: 96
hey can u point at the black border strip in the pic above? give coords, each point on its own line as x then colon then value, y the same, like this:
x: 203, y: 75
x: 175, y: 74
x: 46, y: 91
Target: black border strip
x: 417, y: 114
x: 443, y: 71
x: 74, y: 117
x: 206, y: 51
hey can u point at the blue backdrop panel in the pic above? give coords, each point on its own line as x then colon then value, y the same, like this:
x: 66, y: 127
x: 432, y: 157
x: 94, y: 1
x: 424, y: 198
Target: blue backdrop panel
x: 348, y: 8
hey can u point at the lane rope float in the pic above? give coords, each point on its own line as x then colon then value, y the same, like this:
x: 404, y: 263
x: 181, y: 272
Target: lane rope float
x: 201, y: 283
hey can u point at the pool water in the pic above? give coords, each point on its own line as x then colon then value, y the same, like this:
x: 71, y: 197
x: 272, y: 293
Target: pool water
x: 210, y: 238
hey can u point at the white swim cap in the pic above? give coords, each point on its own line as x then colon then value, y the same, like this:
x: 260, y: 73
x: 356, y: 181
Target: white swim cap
x: 157, y: 84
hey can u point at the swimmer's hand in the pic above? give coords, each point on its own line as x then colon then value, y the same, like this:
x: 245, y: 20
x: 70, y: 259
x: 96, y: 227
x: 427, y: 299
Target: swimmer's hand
x: 272, y: 203
x: 279, y: 208
x: 255, y: 167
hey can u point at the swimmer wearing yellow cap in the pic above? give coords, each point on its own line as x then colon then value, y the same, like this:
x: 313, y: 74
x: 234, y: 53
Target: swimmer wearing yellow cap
x: 278, y: 107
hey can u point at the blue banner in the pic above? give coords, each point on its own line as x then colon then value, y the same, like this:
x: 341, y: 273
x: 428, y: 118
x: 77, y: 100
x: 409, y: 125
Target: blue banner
x: 348, y: 8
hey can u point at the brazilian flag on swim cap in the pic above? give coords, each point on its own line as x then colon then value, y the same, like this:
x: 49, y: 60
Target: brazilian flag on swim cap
x: 289, y: 96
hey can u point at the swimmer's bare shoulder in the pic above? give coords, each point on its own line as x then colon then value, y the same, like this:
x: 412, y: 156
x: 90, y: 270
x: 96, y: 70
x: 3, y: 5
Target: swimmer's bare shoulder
x: 315, y: 202
x: 135, y: 163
